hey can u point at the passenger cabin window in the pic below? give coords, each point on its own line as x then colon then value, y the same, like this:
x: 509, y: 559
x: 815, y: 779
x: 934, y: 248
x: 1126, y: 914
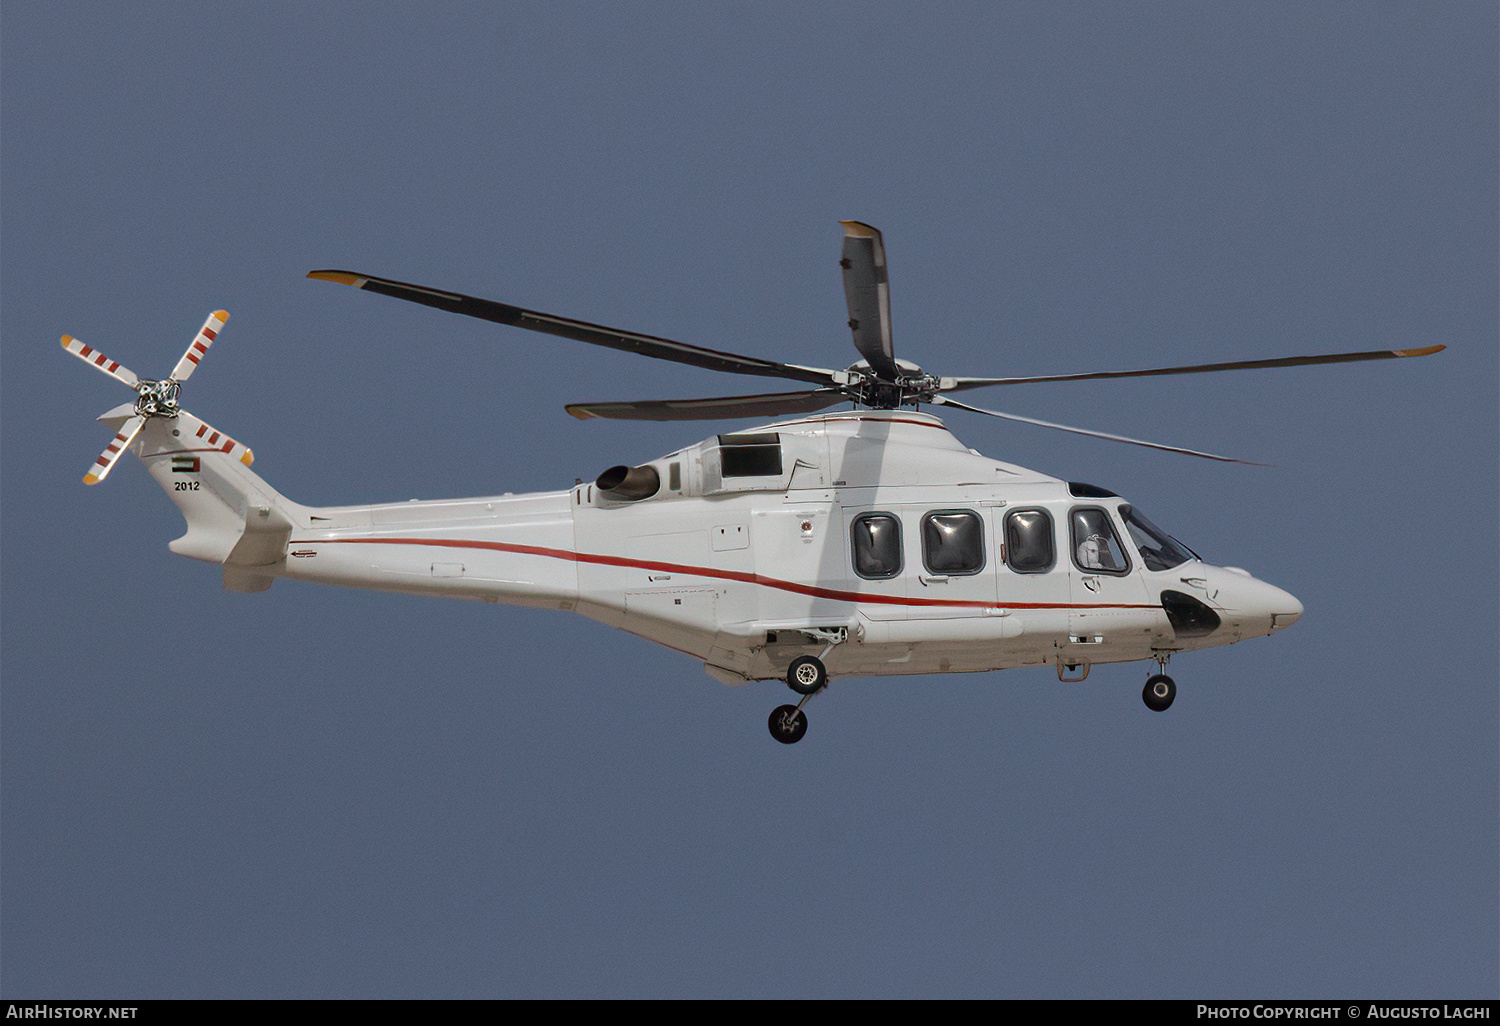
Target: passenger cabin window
x: 876, y: 539
x: 953, y: 542
x: 1096, y: 547
x: 1159, y: 550
x: 750, y: 455
x: 1029, y: 548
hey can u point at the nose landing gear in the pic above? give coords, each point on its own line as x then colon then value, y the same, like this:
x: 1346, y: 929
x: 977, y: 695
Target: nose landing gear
x: 1160, y: 689
x: 1159, y: 692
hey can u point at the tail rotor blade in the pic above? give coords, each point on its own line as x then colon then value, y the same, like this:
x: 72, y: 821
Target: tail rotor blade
x: 200, y: 344
x: 1091, y: 434
x: 93, y: 357
x: 198, y: 436
x: 111, y: 454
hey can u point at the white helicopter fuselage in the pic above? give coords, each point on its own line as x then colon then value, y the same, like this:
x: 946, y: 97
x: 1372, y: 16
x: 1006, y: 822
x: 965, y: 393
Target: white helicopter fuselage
x: 873, y: 540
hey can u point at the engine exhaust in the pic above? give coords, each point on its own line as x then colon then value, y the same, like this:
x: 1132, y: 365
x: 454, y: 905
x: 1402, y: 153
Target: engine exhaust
x: 629, y: 484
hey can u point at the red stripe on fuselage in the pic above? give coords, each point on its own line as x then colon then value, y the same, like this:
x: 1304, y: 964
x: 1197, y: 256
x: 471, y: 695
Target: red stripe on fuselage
x: 726, y: 575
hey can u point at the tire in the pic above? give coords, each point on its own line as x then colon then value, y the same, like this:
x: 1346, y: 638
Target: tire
x: 787, y: 724
x: 1159, y: 692
x: 806, y: 675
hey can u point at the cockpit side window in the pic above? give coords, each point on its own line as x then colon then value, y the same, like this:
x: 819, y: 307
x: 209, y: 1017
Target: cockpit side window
x: 1096, y: 547
x: 876, y: 542
x: 1029, y: 548
x: 1159, y: 550
x: 953, y: 542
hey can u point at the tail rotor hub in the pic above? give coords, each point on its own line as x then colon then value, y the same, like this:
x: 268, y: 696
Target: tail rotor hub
x: 157, y: 398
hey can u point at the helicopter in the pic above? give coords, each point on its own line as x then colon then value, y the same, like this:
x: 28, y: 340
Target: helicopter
x: 867, y: 542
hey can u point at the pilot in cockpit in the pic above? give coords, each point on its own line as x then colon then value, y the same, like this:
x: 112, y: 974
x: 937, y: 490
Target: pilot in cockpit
x: 1094, y: 554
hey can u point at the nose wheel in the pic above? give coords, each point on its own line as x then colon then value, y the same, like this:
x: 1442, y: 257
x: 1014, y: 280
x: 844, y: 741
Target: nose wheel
x: 1159, y: 692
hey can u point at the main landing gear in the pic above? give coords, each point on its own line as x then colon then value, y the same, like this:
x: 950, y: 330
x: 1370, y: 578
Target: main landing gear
x: 1160, y: 689
x: 807, y: 676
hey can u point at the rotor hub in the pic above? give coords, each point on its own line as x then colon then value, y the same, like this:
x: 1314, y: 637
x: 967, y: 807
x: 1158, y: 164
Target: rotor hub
x: 157, y: 398
x: 912, y: 387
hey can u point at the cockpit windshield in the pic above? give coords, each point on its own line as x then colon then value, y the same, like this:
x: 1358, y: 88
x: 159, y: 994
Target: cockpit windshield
x: 1159, y: 550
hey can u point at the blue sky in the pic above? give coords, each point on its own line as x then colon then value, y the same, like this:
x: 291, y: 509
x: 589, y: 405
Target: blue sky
x: 320, y: 793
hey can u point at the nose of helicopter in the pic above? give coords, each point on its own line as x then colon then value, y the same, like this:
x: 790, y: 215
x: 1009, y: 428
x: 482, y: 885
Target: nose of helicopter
x: 1260, y: 607
x: 1287, y: 609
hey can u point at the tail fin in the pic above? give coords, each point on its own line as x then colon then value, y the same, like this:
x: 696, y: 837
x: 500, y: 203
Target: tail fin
x: 233, y: 517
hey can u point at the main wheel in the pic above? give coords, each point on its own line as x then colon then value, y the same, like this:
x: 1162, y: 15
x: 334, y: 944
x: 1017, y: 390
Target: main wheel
x: 806, y: 675
x: 1159, y: 692
x: 788, y: 724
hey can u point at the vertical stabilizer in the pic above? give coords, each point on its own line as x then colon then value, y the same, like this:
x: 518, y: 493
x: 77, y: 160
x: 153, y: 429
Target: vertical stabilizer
x: 233, y: 516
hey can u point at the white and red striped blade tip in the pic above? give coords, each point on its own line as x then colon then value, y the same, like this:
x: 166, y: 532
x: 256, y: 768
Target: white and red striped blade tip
x: 88, y: 354
x: 112, y: 452
x: 200, y: 436
x: 199, y: 346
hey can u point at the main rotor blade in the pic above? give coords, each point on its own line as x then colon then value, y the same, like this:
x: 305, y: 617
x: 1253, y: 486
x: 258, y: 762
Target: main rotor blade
x: 867, y: 291
x: 1092, y: 434
x: 582, y: 331
x: 775, y: 404
x: 92, y: 356
x: 111, y: 454
x: 1201, y: 368
x: 200, y: 344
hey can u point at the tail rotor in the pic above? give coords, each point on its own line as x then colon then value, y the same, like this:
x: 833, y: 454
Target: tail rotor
x: 158, y: 399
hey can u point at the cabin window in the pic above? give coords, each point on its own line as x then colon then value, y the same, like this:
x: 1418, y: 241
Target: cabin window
x: 750, y: 455
x: 953, y: 542
x: 1096, y: 547
x: 1159, y: 550
x: 1029, y: 545
x: 876, y: 540
x: 674, y: 477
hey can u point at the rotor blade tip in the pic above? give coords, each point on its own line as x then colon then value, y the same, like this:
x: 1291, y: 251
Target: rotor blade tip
x: 65, y: 340
x: 859, y: 230
x: 222, y: 315
x: 248, y: 458
x: 341, y: 277
x: 89, y: 479
x: 579, y: 412
x: 1423, y: 351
